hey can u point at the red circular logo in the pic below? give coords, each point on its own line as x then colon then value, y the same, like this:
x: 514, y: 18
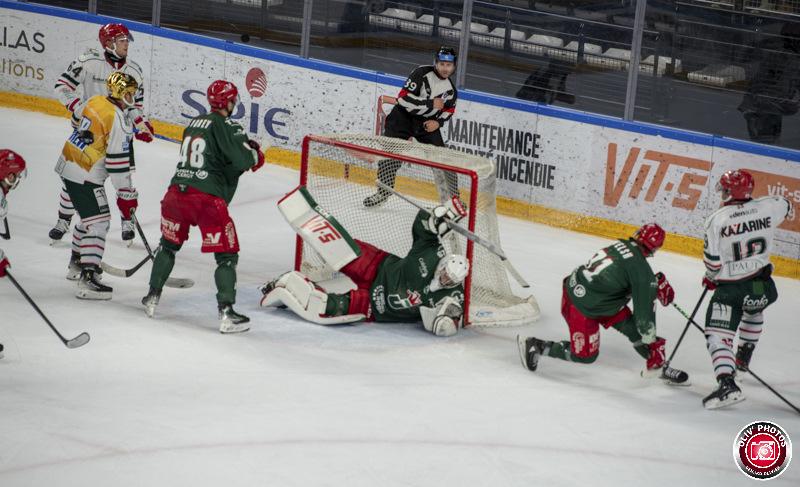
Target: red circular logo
x: 762, y: 450
x: 256, y: 82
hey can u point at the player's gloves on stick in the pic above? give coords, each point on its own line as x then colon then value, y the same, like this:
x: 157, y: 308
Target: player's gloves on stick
x: 709, y: 283
x: 657, y: 354
x: 127, y: 201
x: 453, y: 210
x: 144, y: 129
x: 86, y: 136
x: 3, y: 263
x: 257, y: 147
x: 665, y: 293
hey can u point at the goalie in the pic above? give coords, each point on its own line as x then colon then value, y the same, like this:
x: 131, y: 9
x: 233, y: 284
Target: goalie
x: 424, y: 285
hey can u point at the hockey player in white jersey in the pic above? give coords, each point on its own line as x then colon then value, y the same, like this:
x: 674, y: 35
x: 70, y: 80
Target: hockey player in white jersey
x: 738, y: 242
x: 12, y: 171
x: 86, y: 77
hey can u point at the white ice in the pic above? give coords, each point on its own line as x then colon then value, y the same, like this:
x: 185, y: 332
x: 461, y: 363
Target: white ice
x: 171, y: 402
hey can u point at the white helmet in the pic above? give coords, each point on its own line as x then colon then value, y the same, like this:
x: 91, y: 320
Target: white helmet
x: 450, y: 272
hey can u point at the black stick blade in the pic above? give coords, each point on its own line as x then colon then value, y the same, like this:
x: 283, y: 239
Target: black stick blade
x: 78, y: 341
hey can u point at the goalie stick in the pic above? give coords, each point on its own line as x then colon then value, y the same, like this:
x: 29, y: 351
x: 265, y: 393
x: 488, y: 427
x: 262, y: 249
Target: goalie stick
x: 176, y: 282
x: 76, y: 342
x: 468, y: 235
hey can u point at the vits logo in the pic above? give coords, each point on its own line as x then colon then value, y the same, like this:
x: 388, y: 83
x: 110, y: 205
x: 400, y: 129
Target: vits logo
x: 274, y: 120
x: 326, y: 232
x: 690, y: 188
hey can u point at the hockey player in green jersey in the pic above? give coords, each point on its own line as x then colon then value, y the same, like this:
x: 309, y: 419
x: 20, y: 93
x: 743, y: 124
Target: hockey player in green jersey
x: 598, y: 292
x: 738, y: 242
x: 215, y: 153
x: 424, y: 285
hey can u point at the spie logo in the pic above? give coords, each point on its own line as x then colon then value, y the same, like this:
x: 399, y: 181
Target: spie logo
x: 326, y: 233
x: 694, y: 176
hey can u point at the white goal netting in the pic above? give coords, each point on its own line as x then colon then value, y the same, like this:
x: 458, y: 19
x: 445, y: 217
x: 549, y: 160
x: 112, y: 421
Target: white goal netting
x: 340, y: 172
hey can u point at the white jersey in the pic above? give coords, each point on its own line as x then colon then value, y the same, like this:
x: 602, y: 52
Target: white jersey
x: 738, y: 240
x: 86, y: 77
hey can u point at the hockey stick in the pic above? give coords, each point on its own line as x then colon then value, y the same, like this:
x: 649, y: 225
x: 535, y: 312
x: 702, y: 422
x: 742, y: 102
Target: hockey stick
x: 116, y: 271
x: 686, y: 328
x: 6, y: 235
x: 699, y: 328
x: 171, y: 281
x: 467, y: 234
x: 76, y: 342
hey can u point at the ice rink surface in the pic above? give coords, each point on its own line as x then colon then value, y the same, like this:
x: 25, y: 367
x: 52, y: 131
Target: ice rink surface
x: 171, y: 402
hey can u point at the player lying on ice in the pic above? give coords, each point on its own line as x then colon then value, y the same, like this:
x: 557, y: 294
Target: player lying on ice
x: 597, y: 293
x: 424, y: 285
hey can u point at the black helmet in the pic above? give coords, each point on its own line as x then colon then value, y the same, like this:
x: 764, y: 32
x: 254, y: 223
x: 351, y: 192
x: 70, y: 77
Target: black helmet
x: 446, y: 54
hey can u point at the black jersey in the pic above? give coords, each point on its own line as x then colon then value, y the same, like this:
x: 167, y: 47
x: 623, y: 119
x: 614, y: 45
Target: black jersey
x: 421, y: 87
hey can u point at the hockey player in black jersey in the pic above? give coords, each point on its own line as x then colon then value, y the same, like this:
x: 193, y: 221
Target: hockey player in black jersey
x: 426, y: 102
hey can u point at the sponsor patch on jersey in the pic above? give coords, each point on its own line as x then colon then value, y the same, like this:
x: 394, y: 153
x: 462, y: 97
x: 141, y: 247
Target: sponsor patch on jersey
x: 423, y: 268
x: 201, y: 174
x: 378, y: 299
x: 579, y: 291
x: 751, y: 304
x: 742, y: 267
x: 184, y: 173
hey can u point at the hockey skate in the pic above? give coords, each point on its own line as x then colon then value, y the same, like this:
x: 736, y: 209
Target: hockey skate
x: 743, y: 355
x: 530, y: 350
x: 151, y: 301
x: 58, y: 231
x: 90, y: 287
x: 674, y: 377
x: 230, y: 321
x: 376, y: 199
x: 128, y: 232
x: 74, y: 269
x: 727, y: 393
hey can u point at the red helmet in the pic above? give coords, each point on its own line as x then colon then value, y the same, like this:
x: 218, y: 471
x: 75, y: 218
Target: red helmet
x: 110, y: 32
x: 12, y: 168
x: 736, y: 185
x: 650, y: 236
x: 220, y: 93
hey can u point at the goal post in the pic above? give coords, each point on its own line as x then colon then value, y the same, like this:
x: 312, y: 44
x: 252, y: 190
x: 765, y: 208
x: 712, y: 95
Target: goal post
x: 340, y: 172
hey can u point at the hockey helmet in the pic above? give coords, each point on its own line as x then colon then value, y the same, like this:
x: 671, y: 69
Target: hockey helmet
x: 221, y: 93
x: 112, y: 32
x: 12, y: 169
x: 446, y: 54
x: 736, y: 185
x: 450, y: 272
x: 120, y: 85
x: 650, y: 236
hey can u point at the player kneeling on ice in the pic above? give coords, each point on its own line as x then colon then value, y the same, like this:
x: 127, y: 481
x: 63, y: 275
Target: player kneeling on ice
x: 597, y: 293
x: 426, y: 284
x: 12, y: 171
x: 99, y: 149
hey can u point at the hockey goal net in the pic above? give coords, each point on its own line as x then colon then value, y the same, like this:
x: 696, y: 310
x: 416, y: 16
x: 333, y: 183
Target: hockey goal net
x: 340, y: 172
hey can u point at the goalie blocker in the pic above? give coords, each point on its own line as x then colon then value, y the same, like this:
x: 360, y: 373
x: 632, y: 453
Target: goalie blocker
x: 388, y: 287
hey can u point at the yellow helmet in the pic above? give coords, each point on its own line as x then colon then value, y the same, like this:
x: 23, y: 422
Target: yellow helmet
x: 120, y: 84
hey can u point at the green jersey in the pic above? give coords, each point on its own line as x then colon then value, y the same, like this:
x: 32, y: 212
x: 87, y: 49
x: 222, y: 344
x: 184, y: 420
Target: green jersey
x: 402, y: 285
x: 214, y: 154
x: 615, y: 275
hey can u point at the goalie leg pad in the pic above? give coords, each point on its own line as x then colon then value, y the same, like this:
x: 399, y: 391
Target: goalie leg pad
x: 307, y: 301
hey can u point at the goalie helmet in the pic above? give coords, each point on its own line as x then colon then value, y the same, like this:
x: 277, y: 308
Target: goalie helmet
x: 736, y: 185
x: 650, y: 236
x: 12, y: 169
x: 450, y: 272
x: 220, y: 93
x: 122, y: 86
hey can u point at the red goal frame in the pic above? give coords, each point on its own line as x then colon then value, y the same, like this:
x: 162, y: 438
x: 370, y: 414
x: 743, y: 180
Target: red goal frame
x: 471, y: 213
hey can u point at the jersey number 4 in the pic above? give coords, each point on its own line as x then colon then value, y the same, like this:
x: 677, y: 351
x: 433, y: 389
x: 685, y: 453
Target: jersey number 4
x: 192, y: 150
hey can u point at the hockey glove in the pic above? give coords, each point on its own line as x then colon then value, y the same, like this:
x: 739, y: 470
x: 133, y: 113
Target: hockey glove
x: 256, y: 147
x: 657, y: 354
x: 144, y: 129
x: 3, y: 263
x: 127, y: 201
x: 453, y: 210
x: 86, y: 136
x: 665, y: 292
x: 709, y: 283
